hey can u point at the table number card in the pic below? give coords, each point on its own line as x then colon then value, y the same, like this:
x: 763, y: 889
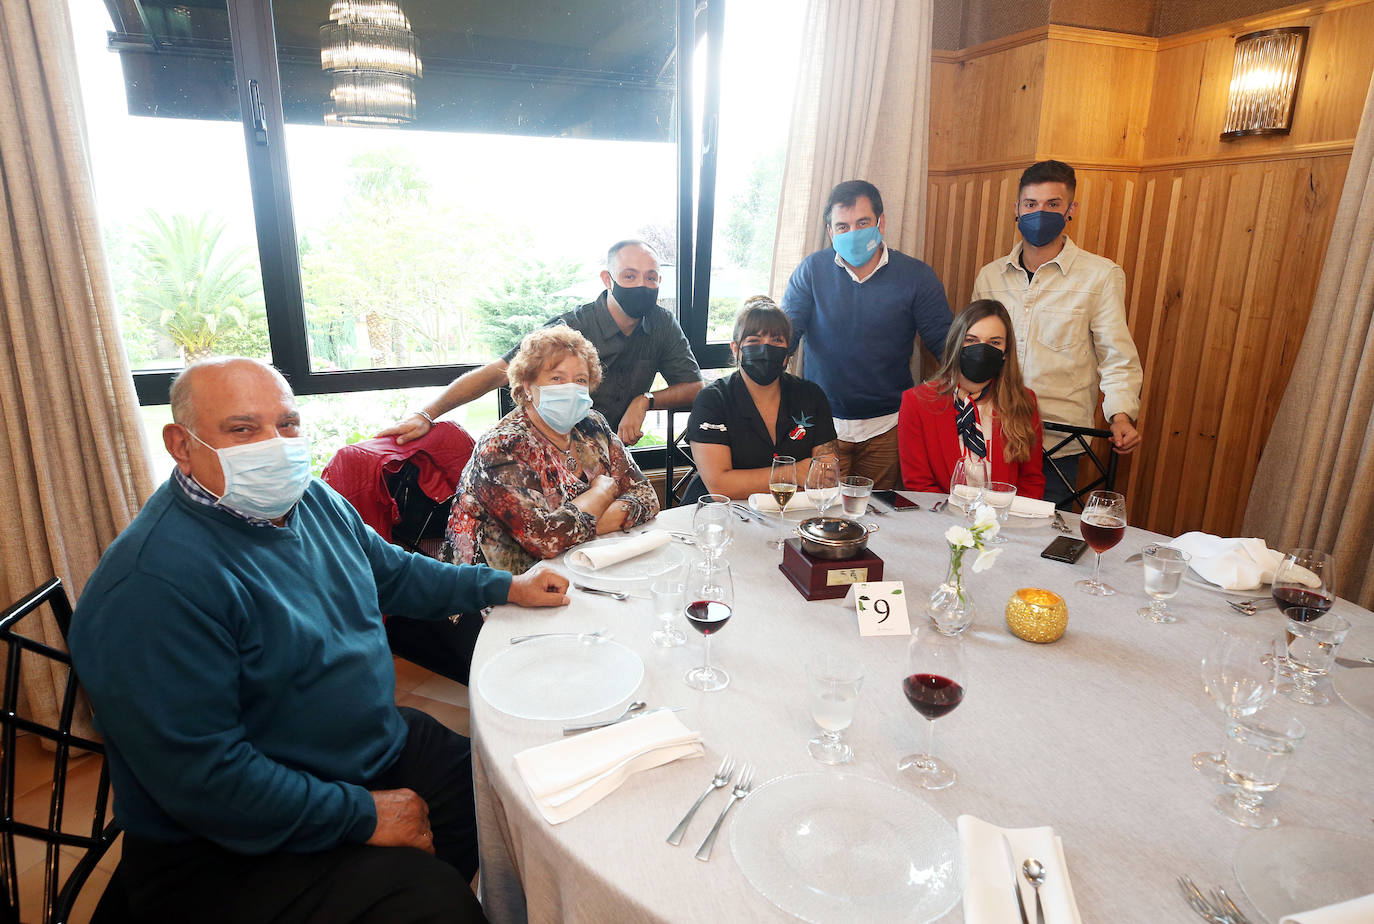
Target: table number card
x: 881, y: 606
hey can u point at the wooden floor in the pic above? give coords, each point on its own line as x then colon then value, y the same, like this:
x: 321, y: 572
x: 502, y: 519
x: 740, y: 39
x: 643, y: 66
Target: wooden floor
x: 442, y: 698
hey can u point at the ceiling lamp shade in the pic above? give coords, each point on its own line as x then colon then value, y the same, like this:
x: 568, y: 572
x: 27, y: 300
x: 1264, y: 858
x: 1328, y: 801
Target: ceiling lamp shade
x: 369, y: 49
x: 1264, y: 82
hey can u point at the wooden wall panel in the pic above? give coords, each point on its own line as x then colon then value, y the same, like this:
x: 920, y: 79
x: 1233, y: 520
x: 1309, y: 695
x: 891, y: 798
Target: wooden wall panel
x: 991, y: 110
x: 1222, y: 245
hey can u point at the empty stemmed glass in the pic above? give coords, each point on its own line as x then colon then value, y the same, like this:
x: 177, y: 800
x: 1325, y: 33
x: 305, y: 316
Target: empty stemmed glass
x: 835, y: 681
x: 1240, y: 673
x: 823, y: 482
x: 1164, y: 567
x: 934, y: 686
x: 1103, y: 523
x: 782, y: 484
x: 966, y: 484
x: 712, y: 523
x: 999, y: 495
x: 710, y: 601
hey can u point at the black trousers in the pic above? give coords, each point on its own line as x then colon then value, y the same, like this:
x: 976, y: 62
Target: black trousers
x: 436, y: 644
x: 351, y: 884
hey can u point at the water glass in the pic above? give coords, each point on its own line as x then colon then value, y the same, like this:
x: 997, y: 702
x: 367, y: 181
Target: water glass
x: 835, y: 680
x: 999, y: 495
x: 669, y: 596
x: 1164, y: 569
x: 1312, y: 646
x: 966, y: 484
x: 1258, y: 752
x: 854, y: 492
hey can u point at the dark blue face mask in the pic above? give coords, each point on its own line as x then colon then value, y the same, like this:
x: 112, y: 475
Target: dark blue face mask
x: 1040, y: 228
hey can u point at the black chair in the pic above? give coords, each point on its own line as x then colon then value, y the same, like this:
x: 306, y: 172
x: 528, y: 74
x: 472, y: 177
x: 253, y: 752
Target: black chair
x: 677, y: 454
x: 1105, y: 479
x: 61, y: 886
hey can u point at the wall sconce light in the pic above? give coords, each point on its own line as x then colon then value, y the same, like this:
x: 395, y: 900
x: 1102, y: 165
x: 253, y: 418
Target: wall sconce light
x: 1264, y: 82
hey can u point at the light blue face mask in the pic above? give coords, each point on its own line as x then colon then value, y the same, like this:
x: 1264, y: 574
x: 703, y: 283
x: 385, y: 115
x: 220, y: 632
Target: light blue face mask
x: 563, y: 407
x: 857, y: 247
x: 263, y: 479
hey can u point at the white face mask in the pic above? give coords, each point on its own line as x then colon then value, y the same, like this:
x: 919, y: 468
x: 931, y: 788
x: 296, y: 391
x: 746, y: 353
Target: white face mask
x: 263, y: 479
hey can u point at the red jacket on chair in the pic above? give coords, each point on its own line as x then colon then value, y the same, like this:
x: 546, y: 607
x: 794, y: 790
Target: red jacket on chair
x: 928, y: 441
x: 356, y: 471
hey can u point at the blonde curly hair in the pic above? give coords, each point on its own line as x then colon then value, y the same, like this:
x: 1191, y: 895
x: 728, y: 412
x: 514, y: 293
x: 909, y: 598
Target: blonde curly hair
x: 547, y: 346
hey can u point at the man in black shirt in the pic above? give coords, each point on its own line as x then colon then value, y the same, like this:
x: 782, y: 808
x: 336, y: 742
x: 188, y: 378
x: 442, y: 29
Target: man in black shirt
x: 635, y: 338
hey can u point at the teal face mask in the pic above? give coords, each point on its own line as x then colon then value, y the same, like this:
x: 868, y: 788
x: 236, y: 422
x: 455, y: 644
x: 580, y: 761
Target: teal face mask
x: 563, y: 407
x: 857, y: 247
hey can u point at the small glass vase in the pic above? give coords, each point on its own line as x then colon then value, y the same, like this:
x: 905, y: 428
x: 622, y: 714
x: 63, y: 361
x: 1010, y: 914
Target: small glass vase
x: 951, y: 608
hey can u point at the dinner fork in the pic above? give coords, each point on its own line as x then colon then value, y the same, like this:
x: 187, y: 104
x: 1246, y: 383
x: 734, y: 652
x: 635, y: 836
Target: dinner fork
x: 1199, y: 903
x: 1059, y: 523
x: 1223, y: 901
x: 746, y: 783
x: 721, y: 779
x: 1251, y: 607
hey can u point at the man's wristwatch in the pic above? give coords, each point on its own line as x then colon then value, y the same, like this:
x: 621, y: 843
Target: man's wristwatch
x: 650, y: 396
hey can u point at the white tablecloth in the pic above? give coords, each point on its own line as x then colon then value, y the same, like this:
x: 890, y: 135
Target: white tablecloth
x: 1092, y: 734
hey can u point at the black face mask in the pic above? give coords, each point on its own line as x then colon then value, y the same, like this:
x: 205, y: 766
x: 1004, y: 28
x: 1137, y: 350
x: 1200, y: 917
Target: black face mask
x: 980, y: 362
x: 636, y: 302
x: 762, y: 362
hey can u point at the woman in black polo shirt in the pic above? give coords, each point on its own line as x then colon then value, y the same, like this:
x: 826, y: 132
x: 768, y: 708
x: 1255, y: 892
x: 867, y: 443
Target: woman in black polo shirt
x: 741, y: 421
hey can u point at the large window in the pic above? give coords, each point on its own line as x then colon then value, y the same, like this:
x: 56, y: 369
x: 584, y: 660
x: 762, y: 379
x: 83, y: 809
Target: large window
x: 379, y: 195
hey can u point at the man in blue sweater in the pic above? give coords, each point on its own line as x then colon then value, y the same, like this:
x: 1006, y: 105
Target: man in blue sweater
x: 231, y: 642
x: 860, y: 306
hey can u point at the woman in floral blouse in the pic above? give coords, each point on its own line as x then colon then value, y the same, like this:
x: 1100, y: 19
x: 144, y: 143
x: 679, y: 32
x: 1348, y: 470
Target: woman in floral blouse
x: 550, y: 474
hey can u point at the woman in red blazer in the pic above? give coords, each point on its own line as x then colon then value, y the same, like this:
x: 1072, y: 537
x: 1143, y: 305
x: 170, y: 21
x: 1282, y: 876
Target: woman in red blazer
x: 976, y: 406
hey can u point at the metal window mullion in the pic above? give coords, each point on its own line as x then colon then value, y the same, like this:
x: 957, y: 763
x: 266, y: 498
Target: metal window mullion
x: 253, y: 35
x: 686, y: 42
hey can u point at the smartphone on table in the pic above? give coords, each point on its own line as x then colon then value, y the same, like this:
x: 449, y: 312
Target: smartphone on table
x: 896, y: 501
x: 1065, y: 548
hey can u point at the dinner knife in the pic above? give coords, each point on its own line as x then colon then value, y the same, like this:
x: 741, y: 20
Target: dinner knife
x: 1355, y: 662
x: 1015, y: 879
x: 590, y: 726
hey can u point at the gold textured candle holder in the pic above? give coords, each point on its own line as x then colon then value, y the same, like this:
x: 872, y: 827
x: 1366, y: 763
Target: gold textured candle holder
x: 1037, y: 615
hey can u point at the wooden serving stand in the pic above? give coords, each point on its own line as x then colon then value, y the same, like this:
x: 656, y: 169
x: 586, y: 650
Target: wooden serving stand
x: 824, y: 578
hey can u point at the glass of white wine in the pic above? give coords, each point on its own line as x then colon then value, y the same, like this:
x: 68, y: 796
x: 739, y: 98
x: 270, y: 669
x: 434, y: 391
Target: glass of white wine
x: 782, y: 484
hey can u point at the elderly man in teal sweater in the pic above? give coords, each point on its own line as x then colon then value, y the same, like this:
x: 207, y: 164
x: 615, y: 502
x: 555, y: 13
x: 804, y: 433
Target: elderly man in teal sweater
x: 231, y: 642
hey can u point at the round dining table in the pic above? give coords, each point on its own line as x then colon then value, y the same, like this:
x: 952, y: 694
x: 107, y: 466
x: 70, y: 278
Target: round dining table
x: 1092, y: 734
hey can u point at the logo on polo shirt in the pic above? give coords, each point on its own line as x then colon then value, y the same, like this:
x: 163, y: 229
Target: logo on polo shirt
x: 799, y: 431
x: 710, y: 426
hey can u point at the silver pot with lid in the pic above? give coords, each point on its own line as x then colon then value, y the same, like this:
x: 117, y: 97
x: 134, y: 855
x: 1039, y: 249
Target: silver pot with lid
x: 833, y: 538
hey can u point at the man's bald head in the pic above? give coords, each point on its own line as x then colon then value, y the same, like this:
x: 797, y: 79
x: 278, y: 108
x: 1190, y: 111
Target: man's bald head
x: 224, y: 402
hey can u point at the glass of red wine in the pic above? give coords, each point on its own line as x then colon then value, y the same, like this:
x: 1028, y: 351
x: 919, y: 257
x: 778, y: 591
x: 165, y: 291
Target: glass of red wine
x: 934, y: 686
x: 1103, y: 523
x: 710, y: 598
x: 1303, y: 582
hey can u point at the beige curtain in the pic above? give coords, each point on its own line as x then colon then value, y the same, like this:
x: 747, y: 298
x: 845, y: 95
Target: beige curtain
x: 73, y: 467
x: 1315, y: 484
x: 862, y: 111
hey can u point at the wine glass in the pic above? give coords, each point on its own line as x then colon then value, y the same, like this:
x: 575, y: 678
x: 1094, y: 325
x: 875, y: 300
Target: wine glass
x: 782, y: 484
x: 1164, y: 567
x: 934, y: 685
x: 1103, y: 524
x: 1240, y: 673
x: 823, y: 482
x: 971, y: 474
x: 999, y: 495
x: 835, y: 682
x: 1304, y: 579
x: 712, y: 524
x: 710, y: 601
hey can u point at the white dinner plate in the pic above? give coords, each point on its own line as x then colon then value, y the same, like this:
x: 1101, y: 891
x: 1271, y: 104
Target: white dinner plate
x: 1287, y: 869
x: 1194, y: 579
x: 1355, y: 687
x: 646, y: 567
x: 837, y: 847
x: 560, y: 677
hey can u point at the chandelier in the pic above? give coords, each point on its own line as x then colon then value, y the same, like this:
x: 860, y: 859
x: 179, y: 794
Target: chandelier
x: 369, y: 49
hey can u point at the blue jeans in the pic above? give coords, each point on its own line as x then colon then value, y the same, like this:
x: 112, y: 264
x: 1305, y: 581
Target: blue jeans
x: 1059, y: 490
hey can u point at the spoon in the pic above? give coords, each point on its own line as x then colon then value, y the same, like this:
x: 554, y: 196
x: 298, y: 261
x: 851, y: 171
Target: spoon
x: 1035, y: 874
x: 634, y: 707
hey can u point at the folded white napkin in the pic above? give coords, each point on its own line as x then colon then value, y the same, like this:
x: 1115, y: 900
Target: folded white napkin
x: 1235, y: 564
x: 1356, y: 911
x: 764, y: 503
x: 601, y: 554
x: 1031, y: 507
x: 569, y: 776
x: 988, y: 898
